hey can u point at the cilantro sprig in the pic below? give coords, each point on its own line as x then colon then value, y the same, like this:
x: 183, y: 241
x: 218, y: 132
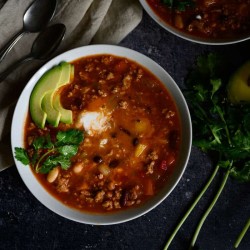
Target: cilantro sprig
x: 226, y: 130
x: 180, y: 5
x: 48, y: 154
x: 220, y: 128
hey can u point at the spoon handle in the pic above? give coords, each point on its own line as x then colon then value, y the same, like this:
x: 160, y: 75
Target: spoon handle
x: 6, y: 49
x: 5, y: 73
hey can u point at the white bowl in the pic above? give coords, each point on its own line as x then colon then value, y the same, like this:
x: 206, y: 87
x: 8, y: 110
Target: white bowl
x: 17, y: 138
x: 186, y: 36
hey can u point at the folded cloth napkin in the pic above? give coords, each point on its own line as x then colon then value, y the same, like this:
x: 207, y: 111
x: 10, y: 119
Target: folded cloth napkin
x: 86, y: 21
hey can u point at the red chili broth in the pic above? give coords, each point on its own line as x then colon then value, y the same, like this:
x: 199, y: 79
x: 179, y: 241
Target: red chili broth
x: 215, y: 19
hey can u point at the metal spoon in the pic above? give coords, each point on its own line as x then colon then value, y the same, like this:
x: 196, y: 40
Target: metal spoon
x: 42, y: 48
x: 35, y: 19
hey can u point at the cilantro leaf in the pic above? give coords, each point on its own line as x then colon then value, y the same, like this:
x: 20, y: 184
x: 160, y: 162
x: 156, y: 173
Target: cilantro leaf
x: 47, y: 166
x: 42, y: 142
x: 68, y: 150
x: 48, y: 154
x: 63, y: 161
x: 22, y: 156
x: 71, y: 136
x: 38, y: 142
x: 34, y: 158
x: 242, y: 174
x: 53, y: 161
x: 216, y: 83
x: 169, y: 3
x: 180, y: 5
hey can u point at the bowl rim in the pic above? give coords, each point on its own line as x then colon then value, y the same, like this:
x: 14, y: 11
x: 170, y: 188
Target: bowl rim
x: 17, y: 138
x: 185, y: 36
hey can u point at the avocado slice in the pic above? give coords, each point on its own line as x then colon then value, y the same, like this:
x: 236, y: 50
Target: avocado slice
x: 67, y: 73
x: 53, y: 114
x: 66, y: 115
x: 239, y: 84
x: 42, y: 97
x: 48, y: 82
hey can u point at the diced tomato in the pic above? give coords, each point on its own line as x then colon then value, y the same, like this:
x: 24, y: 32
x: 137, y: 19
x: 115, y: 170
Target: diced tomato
x: 148, y: 187
x: 121, y: 67
x: 163, y: 165
x: 170, y: 160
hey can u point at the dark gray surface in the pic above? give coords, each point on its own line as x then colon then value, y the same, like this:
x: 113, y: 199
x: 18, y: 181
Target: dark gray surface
x: 27, y: 224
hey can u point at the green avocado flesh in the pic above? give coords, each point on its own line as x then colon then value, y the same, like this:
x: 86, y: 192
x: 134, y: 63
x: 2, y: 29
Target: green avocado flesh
x: 239, y: 84
x: 53, y: 115
x: 42, y: 99
x: 66, y: 115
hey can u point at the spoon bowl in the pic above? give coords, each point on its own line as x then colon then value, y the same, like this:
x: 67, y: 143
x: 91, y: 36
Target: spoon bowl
x: 47, y: 42
x: 36, y: 17
x: 43, y: 47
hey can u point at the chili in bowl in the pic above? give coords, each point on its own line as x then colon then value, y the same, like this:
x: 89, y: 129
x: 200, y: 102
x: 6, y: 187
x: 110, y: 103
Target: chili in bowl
x: 108, y: 142
x: 212, y: 22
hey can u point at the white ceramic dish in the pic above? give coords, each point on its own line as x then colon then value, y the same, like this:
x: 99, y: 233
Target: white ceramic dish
x: 186, y: 36
x: 17, y: 137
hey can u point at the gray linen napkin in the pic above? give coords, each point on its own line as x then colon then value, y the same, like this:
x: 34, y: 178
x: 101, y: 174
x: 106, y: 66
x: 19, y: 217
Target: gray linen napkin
x: 87, y: 21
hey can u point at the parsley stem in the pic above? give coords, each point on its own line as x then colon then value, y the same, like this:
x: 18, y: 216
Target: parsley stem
x: 191, y: 208
x: 242, y: 234
x: 224, y: 121
x: 209, y: 209
x: 41, y: 158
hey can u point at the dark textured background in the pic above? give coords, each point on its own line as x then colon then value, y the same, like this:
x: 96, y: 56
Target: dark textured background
x: 27, y: 224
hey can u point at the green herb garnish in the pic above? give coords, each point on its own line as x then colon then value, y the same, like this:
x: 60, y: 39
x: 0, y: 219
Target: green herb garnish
x: 178, y: 4
x: 220, y: 128
x: 22, y: 156
x: 47, y: 154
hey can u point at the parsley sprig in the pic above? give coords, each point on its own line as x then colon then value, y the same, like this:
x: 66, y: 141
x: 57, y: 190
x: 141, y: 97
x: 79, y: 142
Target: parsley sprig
x: 47, y: 154
x: 220, y: 128
x: 226, y: 130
